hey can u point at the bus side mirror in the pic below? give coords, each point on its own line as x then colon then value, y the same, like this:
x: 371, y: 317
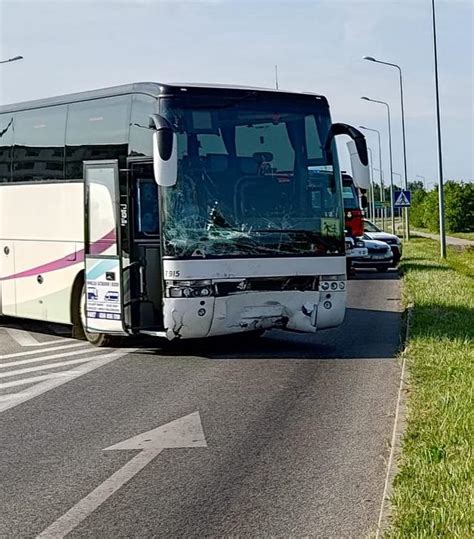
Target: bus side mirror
x: 364, y: 202
x: 356, y: 136
x: 165, y: 156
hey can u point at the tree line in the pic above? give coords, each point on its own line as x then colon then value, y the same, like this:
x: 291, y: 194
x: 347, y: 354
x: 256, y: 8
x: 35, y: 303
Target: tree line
x: 458, y: 207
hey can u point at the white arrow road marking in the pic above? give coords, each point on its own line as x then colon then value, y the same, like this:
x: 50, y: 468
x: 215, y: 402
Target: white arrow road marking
x: 50, y: 381
x: 44, y: 350
x: 23, y: 338
x: 184, y: 432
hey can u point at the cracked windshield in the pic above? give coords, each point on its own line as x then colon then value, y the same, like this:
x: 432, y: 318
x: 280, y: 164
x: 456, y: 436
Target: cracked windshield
x: 253, y: 179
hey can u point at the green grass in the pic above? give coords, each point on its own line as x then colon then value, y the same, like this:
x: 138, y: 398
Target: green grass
x: 433, y: 489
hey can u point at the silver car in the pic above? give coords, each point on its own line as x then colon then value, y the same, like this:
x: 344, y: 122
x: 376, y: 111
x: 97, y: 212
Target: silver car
x: 379, y: 256
x: 373, y: 232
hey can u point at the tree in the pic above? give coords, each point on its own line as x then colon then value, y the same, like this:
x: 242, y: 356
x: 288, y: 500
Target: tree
x: 418, y: 197
x: 459, y: 206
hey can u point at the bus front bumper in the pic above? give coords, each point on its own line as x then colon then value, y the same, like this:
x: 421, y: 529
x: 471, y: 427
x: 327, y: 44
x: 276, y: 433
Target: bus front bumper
x: 187, y: 318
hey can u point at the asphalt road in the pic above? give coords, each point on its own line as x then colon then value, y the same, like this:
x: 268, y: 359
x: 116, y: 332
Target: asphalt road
x: 297, y: 429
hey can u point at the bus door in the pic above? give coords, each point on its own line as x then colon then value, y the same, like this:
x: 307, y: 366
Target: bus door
x: 144, y: 309
x: 104, y: 290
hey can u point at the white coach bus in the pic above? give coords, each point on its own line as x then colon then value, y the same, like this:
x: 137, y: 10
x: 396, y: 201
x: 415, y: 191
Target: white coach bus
x: 179, y: 211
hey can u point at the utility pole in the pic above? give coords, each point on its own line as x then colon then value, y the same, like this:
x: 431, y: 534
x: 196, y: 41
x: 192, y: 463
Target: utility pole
x: 442, y: 233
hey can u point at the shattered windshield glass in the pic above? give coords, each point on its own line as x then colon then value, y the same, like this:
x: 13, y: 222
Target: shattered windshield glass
x: 253, y: 178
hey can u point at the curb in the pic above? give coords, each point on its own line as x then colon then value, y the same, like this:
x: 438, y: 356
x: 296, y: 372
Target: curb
x: 397, y: 432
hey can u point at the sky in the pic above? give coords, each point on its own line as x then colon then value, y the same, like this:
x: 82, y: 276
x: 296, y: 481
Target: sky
x: 318, y: 45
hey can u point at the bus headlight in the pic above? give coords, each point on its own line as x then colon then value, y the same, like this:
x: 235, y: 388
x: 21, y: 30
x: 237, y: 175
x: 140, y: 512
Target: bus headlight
x: 205, y: 291
x: 189, y: 289
x: 333, y: 282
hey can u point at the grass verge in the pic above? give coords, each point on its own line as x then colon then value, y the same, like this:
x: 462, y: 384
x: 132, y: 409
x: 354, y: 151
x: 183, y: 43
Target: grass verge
x: 432, y: 495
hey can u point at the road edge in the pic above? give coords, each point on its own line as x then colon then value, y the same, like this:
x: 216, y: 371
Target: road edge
x: 399, y: 423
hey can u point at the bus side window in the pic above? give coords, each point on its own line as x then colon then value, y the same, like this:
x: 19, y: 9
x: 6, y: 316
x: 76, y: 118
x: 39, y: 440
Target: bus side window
x: 38, y: 152
x: 141, y: 136
x: 148, y: 221
x: 96, y: 130
x: 6, y: 143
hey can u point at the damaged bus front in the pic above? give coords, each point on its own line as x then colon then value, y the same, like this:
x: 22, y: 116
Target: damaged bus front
x: 177, y: 211
x: 252, y: 219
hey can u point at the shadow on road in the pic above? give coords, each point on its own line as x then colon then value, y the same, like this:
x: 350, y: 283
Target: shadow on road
x: 374, y: 275
x: 365, y: 334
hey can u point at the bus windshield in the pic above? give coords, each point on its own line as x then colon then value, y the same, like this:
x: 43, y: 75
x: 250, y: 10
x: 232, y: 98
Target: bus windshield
x: 253, y: 178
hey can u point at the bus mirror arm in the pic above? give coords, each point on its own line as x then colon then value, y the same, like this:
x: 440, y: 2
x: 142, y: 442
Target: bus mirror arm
x: 165, y: 158
x: 354, y: 134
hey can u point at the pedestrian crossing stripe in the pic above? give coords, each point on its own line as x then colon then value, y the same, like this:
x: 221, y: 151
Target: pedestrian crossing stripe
x: 402, y: 200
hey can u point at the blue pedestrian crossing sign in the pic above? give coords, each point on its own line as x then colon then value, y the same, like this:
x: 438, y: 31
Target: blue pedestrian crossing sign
x: 402, y: 199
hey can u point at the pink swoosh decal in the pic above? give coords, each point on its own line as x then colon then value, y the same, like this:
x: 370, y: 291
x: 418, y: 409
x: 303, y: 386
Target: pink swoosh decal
x: 97, y: 248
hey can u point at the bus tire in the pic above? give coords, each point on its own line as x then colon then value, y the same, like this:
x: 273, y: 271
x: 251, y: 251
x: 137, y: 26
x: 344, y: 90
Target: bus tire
x: 79, y: 331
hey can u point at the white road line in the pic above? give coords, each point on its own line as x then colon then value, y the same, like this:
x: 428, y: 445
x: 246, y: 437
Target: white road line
x: 23, y: 338
x: 44, y: 350
x: 11, y: 396
x: 62, y: 378
x: 45, y: 367
x: 30, y: 380
x: 97, y: 351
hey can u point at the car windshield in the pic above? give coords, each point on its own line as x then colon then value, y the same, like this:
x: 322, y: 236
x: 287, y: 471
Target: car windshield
x: 371, y: 227
x: 253, y: 178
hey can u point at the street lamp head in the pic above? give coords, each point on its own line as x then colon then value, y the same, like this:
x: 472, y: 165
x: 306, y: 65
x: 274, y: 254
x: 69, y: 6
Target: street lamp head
x: 366, y: 98
x: 16, y: 58
x: 369, y: 58
x: 362, y: 127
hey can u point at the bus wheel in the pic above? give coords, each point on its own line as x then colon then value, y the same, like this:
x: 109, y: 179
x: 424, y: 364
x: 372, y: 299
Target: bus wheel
x: 97, y: 339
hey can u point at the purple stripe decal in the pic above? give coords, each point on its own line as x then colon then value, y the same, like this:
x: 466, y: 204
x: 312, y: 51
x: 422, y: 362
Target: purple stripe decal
x: 97, y: 248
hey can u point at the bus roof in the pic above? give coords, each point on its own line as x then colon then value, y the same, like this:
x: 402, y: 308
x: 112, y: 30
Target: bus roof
x: 154, y: 89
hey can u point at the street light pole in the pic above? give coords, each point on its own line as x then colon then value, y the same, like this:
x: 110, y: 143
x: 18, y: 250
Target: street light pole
x: 371, y: 190
x: 382, y: 189
x: 442, y: 234
x: 372, y: 59
x: 14, y: 59
x: 390, y: 154
x: 276, y: 76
